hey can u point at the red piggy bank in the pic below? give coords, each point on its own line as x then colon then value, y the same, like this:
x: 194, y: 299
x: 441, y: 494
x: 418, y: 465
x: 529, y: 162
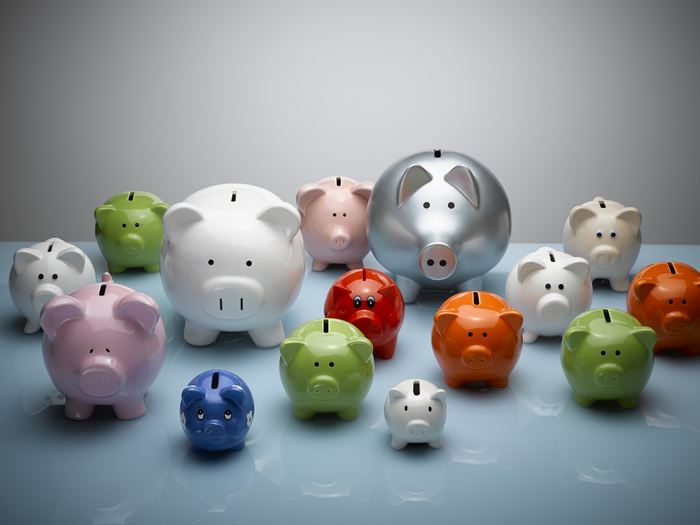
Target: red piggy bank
x: 666, y: 297
x: 371, y: 301
x: 477, y: 337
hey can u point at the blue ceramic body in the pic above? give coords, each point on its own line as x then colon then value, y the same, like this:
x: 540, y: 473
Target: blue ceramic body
x: 216, y: 410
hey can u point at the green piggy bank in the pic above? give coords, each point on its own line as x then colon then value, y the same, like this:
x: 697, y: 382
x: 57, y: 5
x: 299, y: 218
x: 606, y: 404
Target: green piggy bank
x: 129, y: 231
x: 607, y: 355
x: 326, y: 365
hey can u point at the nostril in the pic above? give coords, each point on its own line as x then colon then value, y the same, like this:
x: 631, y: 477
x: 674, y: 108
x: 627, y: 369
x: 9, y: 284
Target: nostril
x: 443, y: 262
x: 431, y: 262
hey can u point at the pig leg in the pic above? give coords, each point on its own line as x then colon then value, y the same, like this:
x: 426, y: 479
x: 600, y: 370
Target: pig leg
x: 475, y: 283
x: 197, y: 336
x: 435, y: 443
x: 529, y: 337
x: 152, y: 268
x: 628, y: 402
x: 318, y: 266
x: 583, y: 401
x: 269, y: 336
x: 349, y: 414
x: 116, y: 268
x: 130, y: 408
x: 386, y: 351
x: 409, y: 288
x: 453, y: 382
x: 398, y: 444
x: 620, y: 284
x: 78, y: 410
x: 355, y: 265
x: 303, y: 413
x: 31, y: 327
x: 501, y: 382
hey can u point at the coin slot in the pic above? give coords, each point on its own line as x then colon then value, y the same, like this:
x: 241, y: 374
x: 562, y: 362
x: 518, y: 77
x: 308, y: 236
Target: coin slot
x: 476, y: 298
x: 364, y: 274
x: 337, y: 181
x: 221, y: 303
x: 103, y: 289
x: 606, y: 314
x: 437, y: 153
x: 50, y: 247
x: 325, y: 326
x: 551, y: 257
x: 671, y: 268
x: 215, y: 381
x: 601, y: 204
x: 416, y: 388
x: 241, y: 303
x: 131, y: 196
x: 233, y: 196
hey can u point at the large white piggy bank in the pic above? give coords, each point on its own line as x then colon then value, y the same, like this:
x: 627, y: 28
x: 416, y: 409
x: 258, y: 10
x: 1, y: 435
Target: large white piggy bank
x: 550, y: 288
x: 232, y: 260
x: 606, y: 234
x: 44, y: 271
x: 415, y: 411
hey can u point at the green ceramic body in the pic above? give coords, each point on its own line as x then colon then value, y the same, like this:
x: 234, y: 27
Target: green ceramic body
x: 607, y: 355
x: 129, y: 230
x: 326, y: 370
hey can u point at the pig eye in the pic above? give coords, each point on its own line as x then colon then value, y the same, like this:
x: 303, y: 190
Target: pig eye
x: 371, y: 302
x: 123, y: 225
x: 426, y: 205
x: 92, y: 350
x: 357, y: 301
x: 548, y: 286
x: 40, y: 276
x: 599, y: 234
x: 136, y: 224
x: 345, y: 214
x: 561, y: 286
x: 54, y: 276
x: 210, y: 262
x: 249, y: 263
x: 470, y: 334
x: 107, y: 350
x: 613, y: 233
x: 335, y: 214
x: 684, y: 301
x: 617, y: 352
x: 484, y: 334
x: 405, y: 408
x: 227, y: 415
x: 602, y: 352
x: 450, y: 205
x: 430, y: 409
x: 200, y: 414
x: 670, y: 301
x: 316, y: 364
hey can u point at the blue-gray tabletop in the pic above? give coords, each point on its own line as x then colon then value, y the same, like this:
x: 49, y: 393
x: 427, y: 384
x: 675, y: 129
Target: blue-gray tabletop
x: 527, y: 453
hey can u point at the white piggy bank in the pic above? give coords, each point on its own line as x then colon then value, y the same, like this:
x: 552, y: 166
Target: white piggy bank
x: 415, y: 411
x: 232, y: 260
x: 606, y: 234
x: 550, y: 288
x: 44, y: 271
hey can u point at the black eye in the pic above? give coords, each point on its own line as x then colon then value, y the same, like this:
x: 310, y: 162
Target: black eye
x: 684, y: 301
x: 370, y: 302
x: 211, y: 262
x: 602, y: 352
x: 450, y: 205
x: 92, y: 350
x: 345, y: 214
x: 617, y: 352
x: 405, y: 408
x: 107, y: 350
x: 227, y: 415
x: 316, y: 364
x: 613, y: 234
x: 54, y: 276
x: 123, y: 225
x: 470, y: 334
x: 430, y: 409
x: 335, y: 214
x: 331, y: 364
x: 40, y: 276
x: 484, y: 334
x: 561, y: 287
x: 249, y: 263
x: 136, y: 224
x: 357, y: 301
x: 426, y: 205
x: 547, y: 286
x: 200, y: 414
x: 670, y: 301
x: 599, y: 235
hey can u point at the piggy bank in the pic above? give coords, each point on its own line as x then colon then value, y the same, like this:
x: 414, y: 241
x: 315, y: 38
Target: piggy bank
x: 550, y: 288
x: 232, y: 261
x: 666, y: 297
x: 326, y: 365
x: 104, y: 344
x: 216, y: 411
x: 415, y: 412
x: 371, y: 301
x: 334, y: 221
x: 606, y: 234
x: 44, y: 271
x: 129, y: 231
x: 607, y: 355
x: 477, y: 338
x: 438, y: 220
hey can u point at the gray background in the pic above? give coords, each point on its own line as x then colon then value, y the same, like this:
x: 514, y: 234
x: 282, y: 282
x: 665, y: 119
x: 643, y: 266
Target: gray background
x: 562, y: 100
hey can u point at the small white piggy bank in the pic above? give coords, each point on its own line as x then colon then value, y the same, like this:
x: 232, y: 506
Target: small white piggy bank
x: 44, y: 271
x: 550, y: 288
x: 606, y: 234
x: 415, y: 412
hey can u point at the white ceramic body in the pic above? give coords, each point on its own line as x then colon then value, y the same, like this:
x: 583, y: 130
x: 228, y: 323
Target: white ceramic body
x: 52, y: 257
x: 606, y: 234
x: 415, y: 414
x: 232, y: 260
x: 549, y: 288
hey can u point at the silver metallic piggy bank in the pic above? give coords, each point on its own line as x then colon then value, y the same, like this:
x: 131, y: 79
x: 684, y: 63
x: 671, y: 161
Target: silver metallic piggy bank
x: 438, y: 220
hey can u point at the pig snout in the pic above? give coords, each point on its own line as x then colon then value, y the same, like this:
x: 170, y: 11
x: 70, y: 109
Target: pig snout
x: 324, y: 388
x: 232, y: 297
x: 609, y: 375
x: 418, y: 428
x: 605, y: 255
x: 437, y: 261
x: 553, y: 306
x: 214, y: 430
x: 42, y: 294
x: 99, y: 378
x: 131, y: 243
x: 676, y: 322
x: 339, y: 239
x: 477, y: 357
x: 369, y: 324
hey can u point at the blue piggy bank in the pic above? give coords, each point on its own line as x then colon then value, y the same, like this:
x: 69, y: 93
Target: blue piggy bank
x: 217, y: 410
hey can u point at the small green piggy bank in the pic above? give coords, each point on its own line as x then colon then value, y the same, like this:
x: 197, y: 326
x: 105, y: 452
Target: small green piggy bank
x: 326, y: 365
x: 129, y: 231
x: 607, y: 355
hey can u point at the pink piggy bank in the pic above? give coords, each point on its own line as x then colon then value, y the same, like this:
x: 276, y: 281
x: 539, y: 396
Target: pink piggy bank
x: 334, y: 221
x: 104, y: 344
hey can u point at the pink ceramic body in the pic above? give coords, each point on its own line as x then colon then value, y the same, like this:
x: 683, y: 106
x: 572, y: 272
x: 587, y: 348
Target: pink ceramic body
x: 334, y: 221
x: 104, y: 344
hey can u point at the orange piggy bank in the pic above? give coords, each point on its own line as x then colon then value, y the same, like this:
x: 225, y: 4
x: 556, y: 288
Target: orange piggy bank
x: 666, y: 297
x: 477, y: 337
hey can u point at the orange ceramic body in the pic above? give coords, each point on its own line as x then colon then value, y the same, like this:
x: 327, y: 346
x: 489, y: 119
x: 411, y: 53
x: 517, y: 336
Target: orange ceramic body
x: 477, y: 337
x: 666, y: 297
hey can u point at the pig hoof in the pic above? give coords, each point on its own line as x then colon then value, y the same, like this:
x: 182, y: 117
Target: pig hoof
x: 355, y: 265
x: 583, y: 401
x: 348, y: 415
x: 78, y: 411
x: 435, y: 443
x: 268, y: 337
x: 398, y: 444
x: 152, y: 268
x: 302, y: 413
x: 620, y: 285
x: 30, y: 327
x: 529, y: 337
x: 131, y: 410
x: 628, y: 403
x: 499, y: 383
x: 199, y: 336
x: 116, y: 268
x: 318, y: 266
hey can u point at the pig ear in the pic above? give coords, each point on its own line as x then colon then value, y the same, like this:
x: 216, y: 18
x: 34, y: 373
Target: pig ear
x: 282, y: 216
x: 25, y: 256
x: 630, y: 216
x: 390, y: 291
x: 233, y: 393
x: 58, y: 311
x: 179, y: 217
x: 579, y: 266
x: 443, y: 320
x: 463, y: 179
x: 578, y: 215
x: 643, y: 288
x: 413, y: 179
x: 363, y: 190
x: 395, y: 394
x: 339, y: 292
x: 192, y: 393
x: 103, y: 212
x: 439, y: 395
x: 307, y: 194
x: 528, y: 266
x: 290, y: 347
x: 159, y: 208
x: 72, y: 256
x: 362, y: 347
x: 140, y: 309
x: 573, y: 337
x: 646, y: 336
x: 513, y: 318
